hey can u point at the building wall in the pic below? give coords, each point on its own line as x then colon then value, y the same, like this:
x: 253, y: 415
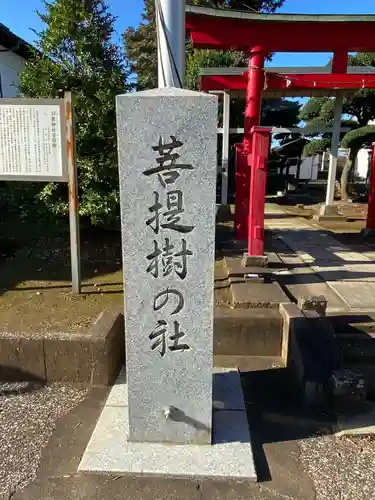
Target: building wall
x: 362, y: 163
x: 11, y: 65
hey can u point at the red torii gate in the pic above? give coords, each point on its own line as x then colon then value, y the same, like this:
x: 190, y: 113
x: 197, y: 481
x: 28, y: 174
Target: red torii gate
x: 260, y: 34
x: 290, y: 82
x: 283, y: 82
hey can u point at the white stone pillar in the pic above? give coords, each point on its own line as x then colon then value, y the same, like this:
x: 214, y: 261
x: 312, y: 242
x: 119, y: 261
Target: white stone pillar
x: 322, y: 165
x: 167, y: 169
x: 170, y: 21
x: 225, y: 148
x: 334, y: 149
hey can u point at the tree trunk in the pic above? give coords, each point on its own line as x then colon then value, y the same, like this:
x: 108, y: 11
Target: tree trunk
x: 349, y: 164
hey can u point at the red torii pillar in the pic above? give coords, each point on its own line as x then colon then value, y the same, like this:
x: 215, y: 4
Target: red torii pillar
x: 252, y: 119
x: 370, y: 223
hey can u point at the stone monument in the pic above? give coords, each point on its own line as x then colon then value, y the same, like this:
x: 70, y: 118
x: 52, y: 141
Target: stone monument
x: 170, y: 413
x: 167, y: 164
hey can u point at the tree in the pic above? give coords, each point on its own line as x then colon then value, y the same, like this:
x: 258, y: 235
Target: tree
x: 360, y: 107
x: 140, y: 42
x: 76, y: 53
x: 279, y: 113
x: 316, y: 146
x: 354, y: 141
x: 203, y: 58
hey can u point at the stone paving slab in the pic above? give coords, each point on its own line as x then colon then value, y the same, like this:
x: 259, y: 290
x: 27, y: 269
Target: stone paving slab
x: 322, y: 255
x: 320, y: 264
x: 335, y: 302
x: 250, y: 295
x: 356, y: 295
x: 347, y: 272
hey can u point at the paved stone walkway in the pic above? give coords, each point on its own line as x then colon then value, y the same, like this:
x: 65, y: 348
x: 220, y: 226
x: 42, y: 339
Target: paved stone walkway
x: 320, y: 260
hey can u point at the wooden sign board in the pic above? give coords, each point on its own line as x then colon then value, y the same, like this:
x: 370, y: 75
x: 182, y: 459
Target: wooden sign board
x: 33, y: 140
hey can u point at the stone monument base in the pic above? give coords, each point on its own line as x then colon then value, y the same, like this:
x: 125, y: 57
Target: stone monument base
x: 254, y: 260
x: 328, y: 213
x: 228, y: 457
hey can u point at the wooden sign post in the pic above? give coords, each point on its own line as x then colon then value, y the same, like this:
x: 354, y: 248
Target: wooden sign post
x: 37, y: 144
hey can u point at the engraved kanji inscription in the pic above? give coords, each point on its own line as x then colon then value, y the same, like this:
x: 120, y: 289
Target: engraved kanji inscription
x: 154, y: 221
x: 159, y: 338
x: 172, y: 216
x: 164, y: 296
x: 168, y: 168
x: 164, y: 259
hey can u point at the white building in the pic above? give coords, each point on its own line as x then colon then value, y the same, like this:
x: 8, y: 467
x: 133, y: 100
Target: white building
x: 13, y: 54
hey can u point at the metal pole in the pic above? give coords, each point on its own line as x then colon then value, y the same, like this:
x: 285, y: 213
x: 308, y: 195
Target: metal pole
x: 225, y: 150
x: 334, y: 149
x: 73, y: 194
x: 170, y: 22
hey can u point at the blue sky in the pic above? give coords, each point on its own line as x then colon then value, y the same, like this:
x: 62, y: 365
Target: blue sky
x: 20, y: 17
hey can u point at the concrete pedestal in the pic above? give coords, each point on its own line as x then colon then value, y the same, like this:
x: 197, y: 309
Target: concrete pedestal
x: 254, y: 260
x: 228, y: 457
x: 327, y: 212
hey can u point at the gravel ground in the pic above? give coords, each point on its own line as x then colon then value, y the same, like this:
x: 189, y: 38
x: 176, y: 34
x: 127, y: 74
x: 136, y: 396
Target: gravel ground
x: 341, y: 468
x: 28, y: 415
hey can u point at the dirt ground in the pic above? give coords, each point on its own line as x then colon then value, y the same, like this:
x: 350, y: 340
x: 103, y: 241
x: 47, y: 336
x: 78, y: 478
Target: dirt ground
x: 35, y: 279
x: 35, y: 293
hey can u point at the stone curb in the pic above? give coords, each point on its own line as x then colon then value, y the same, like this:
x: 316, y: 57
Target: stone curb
x: 310, y: 351
x: 94, y: 357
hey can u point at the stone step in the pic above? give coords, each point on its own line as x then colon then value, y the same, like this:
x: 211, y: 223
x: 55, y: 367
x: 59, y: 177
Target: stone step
x: 247, y: 332
x: 253, y: 295
x: 94, y: 356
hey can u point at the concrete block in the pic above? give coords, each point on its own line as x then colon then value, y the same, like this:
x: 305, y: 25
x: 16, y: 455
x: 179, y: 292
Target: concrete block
x: 21, y: 358
x: 289, y: 313
x: 254, y: 260
x: 108, y: 346
x: 328, y: 210
x: 247, y: 332
x: 68, y: 358
x: 316, y: 303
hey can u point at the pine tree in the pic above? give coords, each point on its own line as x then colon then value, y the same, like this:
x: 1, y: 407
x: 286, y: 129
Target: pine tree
x: 140, y: 42
x: 76, y: 53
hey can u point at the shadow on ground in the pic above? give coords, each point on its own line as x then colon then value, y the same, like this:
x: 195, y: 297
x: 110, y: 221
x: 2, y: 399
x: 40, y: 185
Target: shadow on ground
x: 277, y: 416
x: 31, y: 251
